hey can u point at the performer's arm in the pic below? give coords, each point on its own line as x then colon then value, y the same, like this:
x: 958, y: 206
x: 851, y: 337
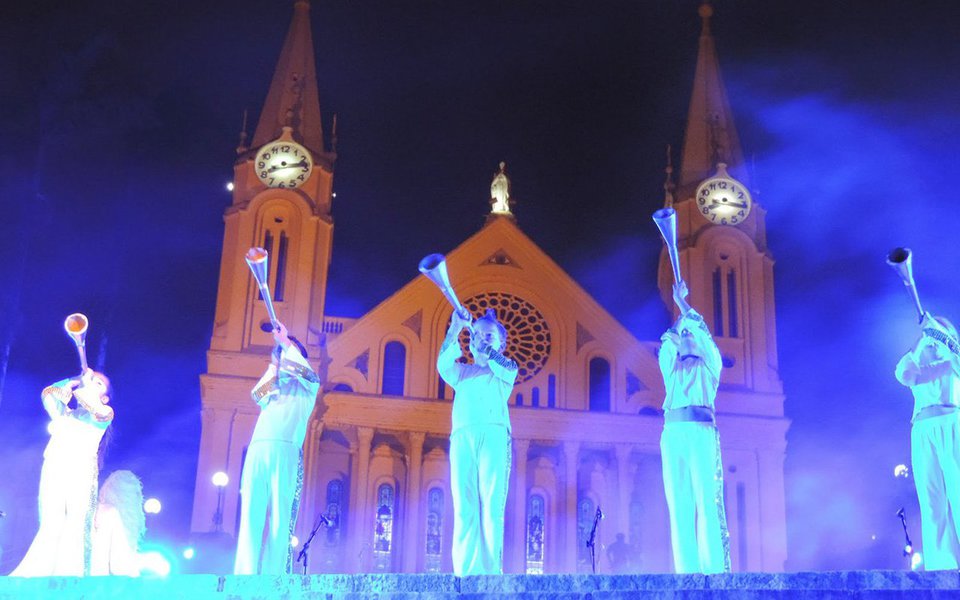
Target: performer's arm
x: 909, y: 372
x: 932, y: 329
x: 296, y: 371
x: 266, y: 388
x: 667, y: 355
x: 56, y: 396
x: 448, y: 367
x: 907, y: 369
x: 934, y: 371
x: 680, y: 293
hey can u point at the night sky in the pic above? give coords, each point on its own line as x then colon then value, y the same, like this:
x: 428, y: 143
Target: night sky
x: 119, y: 124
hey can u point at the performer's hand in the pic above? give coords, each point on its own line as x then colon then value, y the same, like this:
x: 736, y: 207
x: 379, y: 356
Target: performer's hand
x: 280, y: 336
x: 86, y: 378
x: 458, y: 322
x: 680, y: 293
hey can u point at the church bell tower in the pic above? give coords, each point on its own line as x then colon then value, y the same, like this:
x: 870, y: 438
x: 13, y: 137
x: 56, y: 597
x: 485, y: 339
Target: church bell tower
x: 728, y: 267
x: 283, y: 207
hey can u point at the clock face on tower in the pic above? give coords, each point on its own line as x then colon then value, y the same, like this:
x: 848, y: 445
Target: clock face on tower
x: 283, y: 163
x: 722, y: 199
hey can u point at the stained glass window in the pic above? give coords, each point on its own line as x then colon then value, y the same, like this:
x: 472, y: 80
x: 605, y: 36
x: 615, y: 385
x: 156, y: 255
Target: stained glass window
x: 585, y: 515
x: 536, y: 520
x: 334, y: 511
x: 383, y: 531
x: 434, y: 552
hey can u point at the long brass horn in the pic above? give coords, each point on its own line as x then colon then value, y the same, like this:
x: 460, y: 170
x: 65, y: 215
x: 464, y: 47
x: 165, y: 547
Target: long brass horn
x: 257, y: 259
x: 666, y: 220
x: 901, y: 260
x: 434, y: 266
x: 76, y: 327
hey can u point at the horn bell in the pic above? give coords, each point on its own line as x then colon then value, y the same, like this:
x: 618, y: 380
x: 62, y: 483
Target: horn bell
x: 901, y: 261
x: 76, y: 327
x: 434, y: 267
x: 666, y: 220
x: 257, y: 259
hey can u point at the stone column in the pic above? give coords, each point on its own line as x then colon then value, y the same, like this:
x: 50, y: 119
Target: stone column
x: 311, y: 481
x: 411, y: 541
x: 773, y: 515
x: 348, y: 521
x: 571, y: 453
x: 520, y: 449
x: 211, y: 459
x: 360, y: 532
x: 624, y: 489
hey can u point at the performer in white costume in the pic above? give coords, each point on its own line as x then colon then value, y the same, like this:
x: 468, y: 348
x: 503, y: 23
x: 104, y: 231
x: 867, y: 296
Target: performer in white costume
x: 931, y: 369
x: 690, y: 445
x: 480, y: 452
x: 273, y: 469
x: 68, y: 478
x: 118, y: 526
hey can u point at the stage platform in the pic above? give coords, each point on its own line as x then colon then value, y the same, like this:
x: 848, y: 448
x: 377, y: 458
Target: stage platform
x: 885, y: 585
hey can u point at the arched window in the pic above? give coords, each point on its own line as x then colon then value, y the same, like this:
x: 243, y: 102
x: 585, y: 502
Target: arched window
x: 599, y: 385
x: 342, y: 387
x: 394, y: 365
x: 277, y: 244
x: 279, y: 282
x: 334, y: 511
x: 536, y: 524
x: 552, y: 391
x: 383, y: 530
x: 585, y: 516
x: 726, y: 320
x: 434, y: 546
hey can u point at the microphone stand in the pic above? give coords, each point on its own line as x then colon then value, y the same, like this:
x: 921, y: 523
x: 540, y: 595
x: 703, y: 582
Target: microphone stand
x: 322, y: 521
x: 908, y: 547
x: 592, y: 542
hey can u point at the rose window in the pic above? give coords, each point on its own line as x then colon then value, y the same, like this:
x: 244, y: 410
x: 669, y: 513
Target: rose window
x: 528, y: 337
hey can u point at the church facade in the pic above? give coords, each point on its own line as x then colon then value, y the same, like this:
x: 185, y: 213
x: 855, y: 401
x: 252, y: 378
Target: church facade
x: 586, y: 406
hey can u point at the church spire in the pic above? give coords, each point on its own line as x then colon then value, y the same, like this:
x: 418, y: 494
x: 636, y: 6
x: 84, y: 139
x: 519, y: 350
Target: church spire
x: 293, y: 99
x: 711, y: 136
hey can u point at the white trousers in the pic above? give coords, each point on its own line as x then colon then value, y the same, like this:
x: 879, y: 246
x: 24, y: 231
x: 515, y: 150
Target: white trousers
x: 271, y: 479
x: 935, y: 453
x: 480, y: 457
x: 67, y: 498
x: 693, y: 483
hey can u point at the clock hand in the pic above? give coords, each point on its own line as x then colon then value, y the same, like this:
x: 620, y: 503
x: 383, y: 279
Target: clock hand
x: 301, y: 165
x: 733, y: 204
